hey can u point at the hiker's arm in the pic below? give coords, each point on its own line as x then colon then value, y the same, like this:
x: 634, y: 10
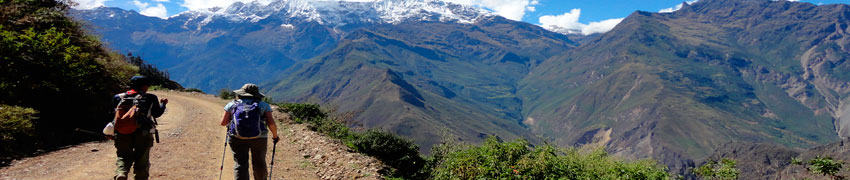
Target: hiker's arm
x: 112, y: 106
x: 226, y: 119
x: 272, y: 125
x: 158, y: 108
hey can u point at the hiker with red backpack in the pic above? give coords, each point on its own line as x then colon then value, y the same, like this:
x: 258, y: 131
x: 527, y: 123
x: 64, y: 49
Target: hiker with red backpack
x: 247, y: 118
x: 133, y: 127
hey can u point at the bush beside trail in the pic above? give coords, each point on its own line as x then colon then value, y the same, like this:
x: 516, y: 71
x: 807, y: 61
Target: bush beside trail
x: 50, y: 64
x: 451, y: 160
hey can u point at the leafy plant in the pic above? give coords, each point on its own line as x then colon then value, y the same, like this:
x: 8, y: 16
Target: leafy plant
x: 399, y: 153
x: 822, y: 165
x: 494, y: 159
x: 158, y: 77
x: 15, y: 123
x: 225, y: 93
x: 269, y: 100
x: 196, y: 90
x: 725, y: 169
x: 302, y: 112
x: 518, y: 160
x: 51, y: 65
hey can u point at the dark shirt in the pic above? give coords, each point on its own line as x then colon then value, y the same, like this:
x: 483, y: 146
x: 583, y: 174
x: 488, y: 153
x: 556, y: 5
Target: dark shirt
x: 156, y: 110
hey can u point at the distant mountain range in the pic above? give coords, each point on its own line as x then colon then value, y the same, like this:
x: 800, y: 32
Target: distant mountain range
x: 671, y: 86
x: 212, y: 49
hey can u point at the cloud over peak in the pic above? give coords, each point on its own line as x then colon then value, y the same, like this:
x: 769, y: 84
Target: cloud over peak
x: 511, y: 9
x: 148, y: 10
x: 568, y: 23
x: 88, y: 4
x: 677, y: 7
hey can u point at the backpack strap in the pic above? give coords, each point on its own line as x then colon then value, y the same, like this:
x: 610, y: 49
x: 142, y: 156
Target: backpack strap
x: 150, y: 109
x: 115, y: 110
x: 232, y: 111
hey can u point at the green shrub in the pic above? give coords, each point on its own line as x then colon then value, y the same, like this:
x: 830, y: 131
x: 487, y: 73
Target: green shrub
x: 822, y: 165
x: 492, y: 160
x: 16, y: 123
x: 399, y: 153
x: 49, y: 63
x: 269, y: 100
x: 226, y: 94
x: 302, y: 112
x: 517, y: 160
x: 724, y: 170
x: 193, y: 90
x: 158, y: 77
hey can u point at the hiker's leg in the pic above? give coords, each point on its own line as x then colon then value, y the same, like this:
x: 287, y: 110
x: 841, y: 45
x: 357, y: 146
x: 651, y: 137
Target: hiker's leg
x: 124, y: 151
x: 258, y: 158
x: 240, y: 155
x: 141, y: 169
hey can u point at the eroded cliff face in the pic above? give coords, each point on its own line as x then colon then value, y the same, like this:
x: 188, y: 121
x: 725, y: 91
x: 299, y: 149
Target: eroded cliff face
x: 819, y: 63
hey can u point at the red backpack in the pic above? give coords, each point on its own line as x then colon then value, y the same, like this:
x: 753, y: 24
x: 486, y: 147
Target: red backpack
x: 126, y: 113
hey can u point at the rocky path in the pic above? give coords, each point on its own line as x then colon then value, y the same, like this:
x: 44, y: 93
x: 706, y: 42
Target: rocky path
x: 191, y: 147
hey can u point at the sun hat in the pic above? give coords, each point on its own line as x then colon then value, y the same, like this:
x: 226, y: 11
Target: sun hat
x: 249, y: 90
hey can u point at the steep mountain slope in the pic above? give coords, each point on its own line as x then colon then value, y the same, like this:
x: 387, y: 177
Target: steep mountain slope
x: 211, y: 49
x: 420, y: 79
x: 677, y: 85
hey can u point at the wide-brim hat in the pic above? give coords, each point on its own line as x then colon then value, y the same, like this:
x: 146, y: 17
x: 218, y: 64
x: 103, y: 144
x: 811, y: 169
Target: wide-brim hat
x: 250, y: 90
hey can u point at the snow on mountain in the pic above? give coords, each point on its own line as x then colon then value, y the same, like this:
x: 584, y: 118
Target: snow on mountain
x: 339, y: 13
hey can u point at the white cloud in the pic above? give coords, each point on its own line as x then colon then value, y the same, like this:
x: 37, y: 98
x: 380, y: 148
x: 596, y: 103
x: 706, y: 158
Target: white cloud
x: 567, y: 20
x: 161, y: 0
x: 140, y: 4
x: 155, y: 11
x: 601, y: 26
x: 511, y: 9
x: 677, y: 7
x: 568, y: 23
x: 88, y: 4
x: 147, y: 10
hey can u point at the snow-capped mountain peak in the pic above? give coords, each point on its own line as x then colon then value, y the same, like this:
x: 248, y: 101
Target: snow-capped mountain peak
x: 339, y: 13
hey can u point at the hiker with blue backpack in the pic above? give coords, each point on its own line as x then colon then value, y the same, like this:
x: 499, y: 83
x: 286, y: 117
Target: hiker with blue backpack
x: 247, y: 118
x: 133, y: 127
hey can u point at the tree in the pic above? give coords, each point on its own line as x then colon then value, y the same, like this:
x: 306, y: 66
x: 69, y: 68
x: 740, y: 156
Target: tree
x: 225, y: 93
x: 724, y: 170
x: 822, y: 165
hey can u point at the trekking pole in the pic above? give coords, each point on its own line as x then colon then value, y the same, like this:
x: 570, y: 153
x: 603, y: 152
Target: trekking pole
x: 221, y: 169
x: 156, y: 131
x: 274, y: 150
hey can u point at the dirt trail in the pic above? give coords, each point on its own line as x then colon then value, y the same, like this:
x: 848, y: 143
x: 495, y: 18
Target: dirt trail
x: 191, y: 147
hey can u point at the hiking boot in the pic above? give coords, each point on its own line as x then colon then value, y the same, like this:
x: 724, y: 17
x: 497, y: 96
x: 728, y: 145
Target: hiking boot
x: 120, y: 177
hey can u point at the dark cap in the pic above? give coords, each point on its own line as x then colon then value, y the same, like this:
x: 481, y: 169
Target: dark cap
x: 139, y: 81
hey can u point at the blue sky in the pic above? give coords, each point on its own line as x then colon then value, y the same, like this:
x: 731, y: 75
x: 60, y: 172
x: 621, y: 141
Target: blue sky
x: 579, y: 16
x: 598, y: 10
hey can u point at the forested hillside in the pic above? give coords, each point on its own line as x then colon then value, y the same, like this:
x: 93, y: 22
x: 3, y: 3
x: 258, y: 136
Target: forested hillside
x: 56, y: 79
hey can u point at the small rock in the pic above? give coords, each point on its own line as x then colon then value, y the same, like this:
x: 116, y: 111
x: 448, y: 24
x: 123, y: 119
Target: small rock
x: 94, y: 150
